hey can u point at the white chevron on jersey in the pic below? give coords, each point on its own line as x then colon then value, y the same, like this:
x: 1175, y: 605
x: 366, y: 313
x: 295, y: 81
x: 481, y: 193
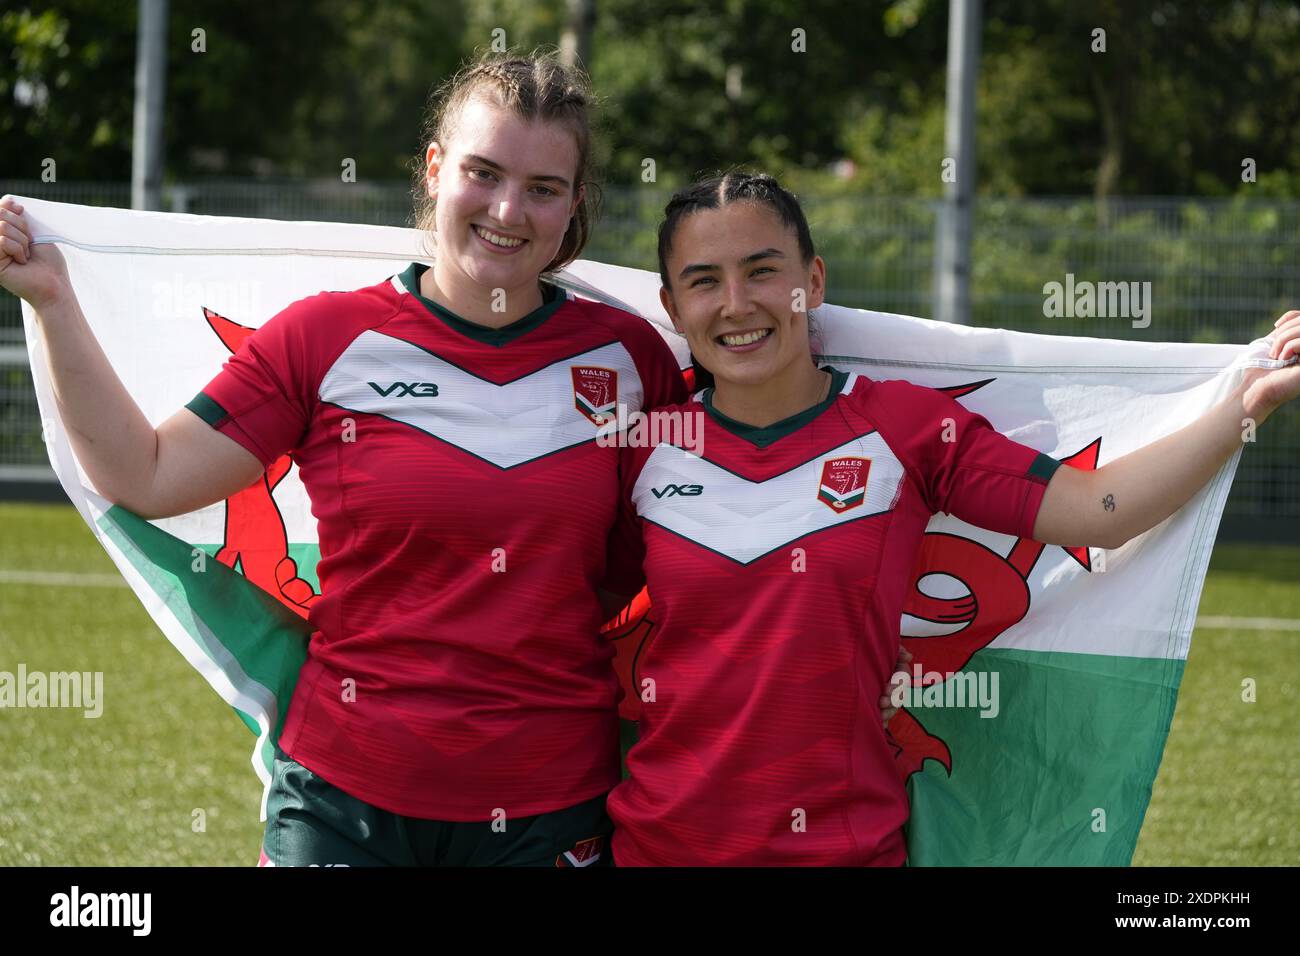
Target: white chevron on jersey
x: 507, y: 425
x: 744, y: 519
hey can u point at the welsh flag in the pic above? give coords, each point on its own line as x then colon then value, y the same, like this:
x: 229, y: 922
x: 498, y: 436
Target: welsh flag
x: 1068, y: 660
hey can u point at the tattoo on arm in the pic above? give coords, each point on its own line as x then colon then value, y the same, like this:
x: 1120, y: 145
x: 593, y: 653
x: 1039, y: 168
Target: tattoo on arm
x: 1108, y: 502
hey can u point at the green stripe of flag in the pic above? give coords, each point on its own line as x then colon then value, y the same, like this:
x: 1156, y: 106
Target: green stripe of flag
x: 1019, y: 794
x: 232, y: 620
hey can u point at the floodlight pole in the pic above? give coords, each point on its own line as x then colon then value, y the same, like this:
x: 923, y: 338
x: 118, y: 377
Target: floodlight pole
x: 953, y: 226
x: 575, y: 36
x: 150, y: 86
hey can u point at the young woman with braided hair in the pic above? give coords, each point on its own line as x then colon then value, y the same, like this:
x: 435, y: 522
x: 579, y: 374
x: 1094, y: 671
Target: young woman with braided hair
x: 758, y: 747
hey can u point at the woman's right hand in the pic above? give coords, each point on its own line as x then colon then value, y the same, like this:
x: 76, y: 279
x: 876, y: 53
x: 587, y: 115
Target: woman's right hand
x: 35, y: 272
x: 180, y: 466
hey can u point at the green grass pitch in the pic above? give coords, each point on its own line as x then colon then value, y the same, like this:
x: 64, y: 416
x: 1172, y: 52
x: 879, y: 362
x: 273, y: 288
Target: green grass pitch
x: 124, y: 789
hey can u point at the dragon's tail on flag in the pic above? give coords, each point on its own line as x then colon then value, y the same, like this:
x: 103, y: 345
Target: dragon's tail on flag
x: 1044, y: 678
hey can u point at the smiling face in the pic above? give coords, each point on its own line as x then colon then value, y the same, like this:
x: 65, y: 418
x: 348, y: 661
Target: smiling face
x: 740, y: 293
x: 505, y: 193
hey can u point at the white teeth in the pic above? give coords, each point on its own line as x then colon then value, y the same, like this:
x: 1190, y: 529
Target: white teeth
x: 498, y: 240
x: 745, y: 338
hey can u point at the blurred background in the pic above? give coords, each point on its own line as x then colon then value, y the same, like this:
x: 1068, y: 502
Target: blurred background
x: 1116, y: 141
x: 1166, y: 149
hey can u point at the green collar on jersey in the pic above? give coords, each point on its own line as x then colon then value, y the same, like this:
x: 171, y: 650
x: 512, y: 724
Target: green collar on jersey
x: 762, y: 437
x: 552, y: 298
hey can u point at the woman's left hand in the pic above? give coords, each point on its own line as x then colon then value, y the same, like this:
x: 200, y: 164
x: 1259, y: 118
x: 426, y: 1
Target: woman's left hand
x: 1267, y: 389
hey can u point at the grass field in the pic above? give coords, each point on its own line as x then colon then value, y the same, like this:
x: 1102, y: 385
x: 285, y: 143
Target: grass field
x: 124, y: 789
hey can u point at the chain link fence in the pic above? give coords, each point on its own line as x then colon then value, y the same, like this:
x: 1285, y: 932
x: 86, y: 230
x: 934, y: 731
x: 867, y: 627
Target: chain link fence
x: 1219, y: 271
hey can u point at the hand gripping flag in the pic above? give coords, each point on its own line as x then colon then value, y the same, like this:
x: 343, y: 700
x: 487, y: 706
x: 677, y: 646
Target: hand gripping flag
x: 1069, y: 658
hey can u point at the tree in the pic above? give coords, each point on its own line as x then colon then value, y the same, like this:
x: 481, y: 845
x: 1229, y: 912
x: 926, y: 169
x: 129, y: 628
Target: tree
x: 67, y: 90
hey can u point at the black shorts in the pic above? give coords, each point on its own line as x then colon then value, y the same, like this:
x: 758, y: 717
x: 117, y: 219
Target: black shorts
x: 310, y: 822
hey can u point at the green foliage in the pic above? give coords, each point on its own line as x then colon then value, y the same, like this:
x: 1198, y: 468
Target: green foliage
x: 65, y: 92
x: 319, y: 83
x: 1182, y: 94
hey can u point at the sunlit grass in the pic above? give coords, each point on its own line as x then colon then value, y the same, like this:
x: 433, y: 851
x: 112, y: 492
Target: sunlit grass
x: 123, y: 789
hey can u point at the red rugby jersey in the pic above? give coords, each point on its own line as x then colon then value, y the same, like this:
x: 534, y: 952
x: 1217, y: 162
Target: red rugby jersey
x: 777, y: 564
x: 464, y: 511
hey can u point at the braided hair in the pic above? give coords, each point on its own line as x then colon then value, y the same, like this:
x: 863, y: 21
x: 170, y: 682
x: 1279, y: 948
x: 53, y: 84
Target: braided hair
x: 721, y: 190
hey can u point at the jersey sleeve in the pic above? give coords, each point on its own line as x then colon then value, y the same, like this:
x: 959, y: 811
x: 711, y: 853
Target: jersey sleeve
x: 626, y: 550
x: 962, y: 464
x: 264, y: 395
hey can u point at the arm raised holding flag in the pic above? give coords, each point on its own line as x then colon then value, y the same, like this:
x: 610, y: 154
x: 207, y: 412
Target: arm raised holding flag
x: 1109, y: 506
x: 177, y: 467
x: 779, y: 584
x: 454, y: 677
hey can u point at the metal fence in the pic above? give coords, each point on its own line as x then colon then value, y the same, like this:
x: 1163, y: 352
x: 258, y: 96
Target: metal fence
x: 1220, y: 271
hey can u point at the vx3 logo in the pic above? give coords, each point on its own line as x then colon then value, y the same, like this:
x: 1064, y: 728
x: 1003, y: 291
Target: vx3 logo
x: 668, y: 491
x: 403, y: 389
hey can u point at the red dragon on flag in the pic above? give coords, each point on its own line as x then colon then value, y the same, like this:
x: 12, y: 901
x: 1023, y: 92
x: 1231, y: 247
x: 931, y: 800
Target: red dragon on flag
x: 998, y: 598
